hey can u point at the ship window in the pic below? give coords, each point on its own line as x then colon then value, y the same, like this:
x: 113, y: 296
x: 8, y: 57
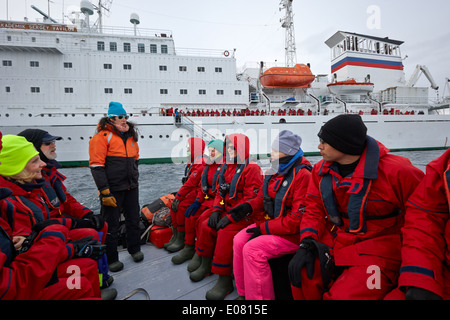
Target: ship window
x: 68, y: 90
x: 218, y: 69
x: 126, y: 47
x: 237, y: 92
x: 182, y: 68
x: 100, y: 46
x: 67, y: 64
x: 141, y: 47
x: 113, y: 46
x: 8, y: 89
x: 108, y: 90
x: 128, y: 91
x: 202, y: 91
x: 33, y: 39
x: 183, y: 91
x: 127, y: 67
x: 7, y: 63
x: 34, y: 64
x: 153, y: 48
x: 162, y: 68
x: 107, y: 66
x: 219, y: 92
x: 163, y: 91
x: 35, y: 89
x: 201, y: 69
x: 9, y: 38
x: 164, y: 49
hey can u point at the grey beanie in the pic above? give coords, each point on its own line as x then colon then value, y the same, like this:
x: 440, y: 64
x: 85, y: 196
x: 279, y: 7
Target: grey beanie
x: 287, y: 142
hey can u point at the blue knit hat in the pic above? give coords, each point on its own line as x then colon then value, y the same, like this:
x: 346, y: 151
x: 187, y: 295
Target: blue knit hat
x: 116, y: 109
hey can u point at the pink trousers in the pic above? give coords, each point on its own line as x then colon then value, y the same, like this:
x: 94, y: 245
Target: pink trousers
x: 251, y: 268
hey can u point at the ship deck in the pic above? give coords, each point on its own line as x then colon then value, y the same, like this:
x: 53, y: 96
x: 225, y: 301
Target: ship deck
x: 159, y: 277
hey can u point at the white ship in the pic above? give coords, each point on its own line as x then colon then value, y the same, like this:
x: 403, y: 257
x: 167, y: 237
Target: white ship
x: 60, y: 78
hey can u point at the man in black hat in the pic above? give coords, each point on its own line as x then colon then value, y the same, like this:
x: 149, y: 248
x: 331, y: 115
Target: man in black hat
x: 355, y: 204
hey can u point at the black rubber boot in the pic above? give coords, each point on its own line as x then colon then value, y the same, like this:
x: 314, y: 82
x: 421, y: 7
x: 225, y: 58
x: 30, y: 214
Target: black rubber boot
x: 178, y: 244
x: 220, y: 290
x: 186, y: 254
x: 172, y: 239
x: 202, y: 271
x: 194, y: 263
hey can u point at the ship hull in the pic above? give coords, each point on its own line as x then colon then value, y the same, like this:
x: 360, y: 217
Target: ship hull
x: 161, y: 140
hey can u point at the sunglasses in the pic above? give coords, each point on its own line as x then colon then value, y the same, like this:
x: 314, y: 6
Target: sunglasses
x: 120, y: 117
x: 49, y: 143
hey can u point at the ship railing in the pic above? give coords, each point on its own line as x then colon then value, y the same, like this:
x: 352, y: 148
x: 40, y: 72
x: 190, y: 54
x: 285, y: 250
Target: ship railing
x: 195, y: 128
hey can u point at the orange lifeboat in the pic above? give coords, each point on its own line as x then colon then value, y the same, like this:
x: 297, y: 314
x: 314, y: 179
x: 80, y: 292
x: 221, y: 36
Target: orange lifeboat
x: 350, y: 87
x: 299, y: 76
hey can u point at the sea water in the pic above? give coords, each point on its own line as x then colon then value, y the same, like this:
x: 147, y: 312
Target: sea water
x: 156, y: 180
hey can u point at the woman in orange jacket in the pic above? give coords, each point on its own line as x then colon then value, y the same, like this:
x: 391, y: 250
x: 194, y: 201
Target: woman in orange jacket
x: 113, y: 159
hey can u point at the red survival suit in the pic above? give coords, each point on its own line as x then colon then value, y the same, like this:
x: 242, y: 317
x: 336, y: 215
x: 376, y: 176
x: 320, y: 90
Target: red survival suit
x: 367, y: 209
x: 426, y: 234
x: 204, y: 200
x: 28, y: 204
x: 62, y: 202
x: 188, y: 191
x: 287, y: 192
x: 244, y: 179
x: 27, y: 275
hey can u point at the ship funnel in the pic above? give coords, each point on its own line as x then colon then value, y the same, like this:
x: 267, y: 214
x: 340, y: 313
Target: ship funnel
x: 134, y: 19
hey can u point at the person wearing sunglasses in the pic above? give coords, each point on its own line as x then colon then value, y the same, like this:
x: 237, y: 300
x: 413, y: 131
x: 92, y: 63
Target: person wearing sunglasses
x: 113, y: 160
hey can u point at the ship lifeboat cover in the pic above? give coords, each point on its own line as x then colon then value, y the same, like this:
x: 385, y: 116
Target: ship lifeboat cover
x: 299, y: 76
x: 350, y: 86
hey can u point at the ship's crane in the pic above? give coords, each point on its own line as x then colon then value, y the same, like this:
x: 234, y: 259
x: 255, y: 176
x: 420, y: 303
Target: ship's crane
x: 416, y: 75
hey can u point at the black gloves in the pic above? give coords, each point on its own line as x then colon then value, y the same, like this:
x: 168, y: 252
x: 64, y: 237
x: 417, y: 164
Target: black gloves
x: 240, y: 211
x: 415, y: 293
x: 305, y: 257
x: 88, y: 247
x: 214, y: 219
x: 175, y: 204
x: 256, y: 232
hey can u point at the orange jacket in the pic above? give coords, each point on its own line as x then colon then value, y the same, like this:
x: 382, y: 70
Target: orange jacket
x: 113, y: 159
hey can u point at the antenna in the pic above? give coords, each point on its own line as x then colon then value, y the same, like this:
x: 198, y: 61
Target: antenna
x: 134, y: 19
x: 288, y: 23
x: 46, y: 17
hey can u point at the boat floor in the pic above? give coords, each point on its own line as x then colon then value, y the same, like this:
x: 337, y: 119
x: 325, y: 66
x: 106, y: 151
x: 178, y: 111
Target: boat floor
x: 162, y: 279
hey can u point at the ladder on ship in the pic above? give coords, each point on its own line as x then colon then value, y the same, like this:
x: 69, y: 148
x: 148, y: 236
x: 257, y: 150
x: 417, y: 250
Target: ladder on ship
x: 195, y: 129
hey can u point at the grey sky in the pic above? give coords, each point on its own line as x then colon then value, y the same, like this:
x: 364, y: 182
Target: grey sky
x: 253, y: 28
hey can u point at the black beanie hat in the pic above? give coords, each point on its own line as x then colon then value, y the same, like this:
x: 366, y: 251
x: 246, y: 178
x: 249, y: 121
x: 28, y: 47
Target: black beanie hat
x: 346, y: 133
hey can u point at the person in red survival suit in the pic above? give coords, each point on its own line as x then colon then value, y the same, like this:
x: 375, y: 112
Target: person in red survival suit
x: 239, y: 181
x: 362, y: 190
x: 205, y: 198
x: 45, y: 270
x: 424, y: 274
x: 186, y: 194
x: 21, y: 172
x: 279, y: 199
x: 60, y: 199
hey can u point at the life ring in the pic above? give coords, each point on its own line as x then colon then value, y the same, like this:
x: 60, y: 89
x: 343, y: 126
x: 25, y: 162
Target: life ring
x: 226, y: 53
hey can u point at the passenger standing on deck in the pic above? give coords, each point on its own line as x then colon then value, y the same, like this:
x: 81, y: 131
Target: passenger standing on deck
x: 204, y: 200
x: 184, y: 198
x: 240, y: 179
x: 113, y: 159
x: 424, y: 274
x: 280, y: 200
x: 362, y: 190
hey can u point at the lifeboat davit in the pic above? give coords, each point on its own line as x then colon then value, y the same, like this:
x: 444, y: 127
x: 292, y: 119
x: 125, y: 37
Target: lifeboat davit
x: 349, y: 87
x: 299, y: 76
